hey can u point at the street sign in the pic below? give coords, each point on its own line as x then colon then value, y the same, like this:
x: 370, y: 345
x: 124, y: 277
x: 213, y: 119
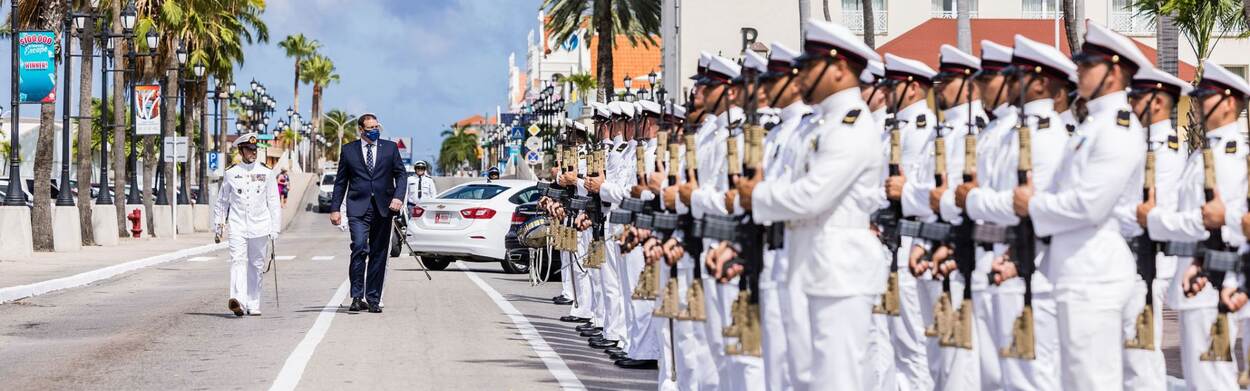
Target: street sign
x: 405, y: 150
x: 534, y: 144
x: 534, y: 130
x: 214, y: 160
x: 518, y: 133
x: 533, y: 158
x: 175, y: 149
x: 264, y: 136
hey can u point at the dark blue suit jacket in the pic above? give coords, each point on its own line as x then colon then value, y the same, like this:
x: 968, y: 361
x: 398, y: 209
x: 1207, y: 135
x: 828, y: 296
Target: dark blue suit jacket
x: 387, y: 181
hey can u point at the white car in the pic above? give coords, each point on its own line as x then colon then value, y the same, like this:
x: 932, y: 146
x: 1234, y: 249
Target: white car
x: 325, y: 191
x: 467, y: 222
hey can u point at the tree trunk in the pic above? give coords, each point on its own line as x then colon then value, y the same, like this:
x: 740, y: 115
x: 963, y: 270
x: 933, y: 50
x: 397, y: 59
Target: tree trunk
x: 828, y: 18
x: 870, y: 28
x: 1074, y: 23
x: 148, y: 150
x: 1169, y: 45
x: 295, y: 98
x: 120, y: 120
x: 963, y: 25
x: 805, y: 13
x: 607, y: 39
x: 41, y: 213
x: 169, y: 115
x: 86, y: 153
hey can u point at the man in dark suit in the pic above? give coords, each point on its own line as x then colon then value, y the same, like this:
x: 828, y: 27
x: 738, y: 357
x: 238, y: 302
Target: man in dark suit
x: 372, y: 177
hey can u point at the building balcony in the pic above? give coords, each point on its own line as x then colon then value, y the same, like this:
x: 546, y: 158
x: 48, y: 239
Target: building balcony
x: 1131, y: 23
x: 951, y: 14
x: 854, y: 20
x: 1037, y: 14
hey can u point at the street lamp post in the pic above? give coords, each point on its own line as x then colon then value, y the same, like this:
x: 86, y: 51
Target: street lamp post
x: 14, y: 196
x: 104, y: 197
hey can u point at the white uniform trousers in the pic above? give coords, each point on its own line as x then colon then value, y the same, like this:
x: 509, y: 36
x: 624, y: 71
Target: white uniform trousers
x: 881, y: 374
x: 911, y: 347
x: 247, y: 262
x: 713, y: 327
x: 610, y: 294
x: 644, y: 338
x: 797, y: 320
x: 669, y: 364
x: 1042, y: 372
x: 583, y: 307
x: 695, y: 369
x: 739, y: 372
x: 840, y: 341
x: 1145, y: 370
x: 961, y: 368
x: 774, y: 337
x: 1091, y: 336
x: 1195, y: 340
x: 566, y: 283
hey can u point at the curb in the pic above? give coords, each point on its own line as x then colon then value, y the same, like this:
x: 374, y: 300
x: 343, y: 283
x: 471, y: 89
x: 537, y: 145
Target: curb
x: 23, y: 291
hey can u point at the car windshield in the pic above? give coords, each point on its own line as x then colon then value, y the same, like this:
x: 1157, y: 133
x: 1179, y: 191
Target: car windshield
x: 474, y: 192
x: 328, y: 179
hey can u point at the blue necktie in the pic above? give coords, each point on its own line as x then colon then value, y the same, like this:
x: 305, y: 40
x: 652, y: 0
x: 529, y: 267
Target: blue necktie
x: 369, y: 157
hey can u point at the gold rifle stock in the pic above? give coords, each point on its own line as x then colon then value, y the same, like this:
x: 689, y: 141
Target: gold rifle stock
x: 670, y: 304
x: 696, y: 308
x: 1145, y: 327
x: 1221, y: 346
x: 942, y: 317
x: 889, y: 304
x: 961, y: 330
x: 750, y: 336
x: 1022, y: 341
x: 737, y: 318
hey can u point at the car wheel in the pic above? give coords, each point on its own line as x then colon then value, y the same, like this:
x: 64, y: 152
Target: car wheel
x: 520, y: 265
x: 437, y: 264
x: 396, y: 245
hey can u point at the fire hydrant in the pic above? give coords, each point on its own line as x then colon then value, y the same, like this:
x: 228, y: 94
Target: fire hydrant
x: 136, y: 222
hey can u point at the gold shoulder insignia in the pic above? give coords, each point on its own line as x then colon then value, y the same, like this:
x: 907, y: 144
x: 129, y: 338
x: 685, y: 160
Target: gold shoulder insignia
x: 816, y: 143
x: 1230, y: 147
x: 1122, y: 118
x: 850, y: 117
x: 922, y: 121
x: 1174, y: 142
x: 1043, y: 123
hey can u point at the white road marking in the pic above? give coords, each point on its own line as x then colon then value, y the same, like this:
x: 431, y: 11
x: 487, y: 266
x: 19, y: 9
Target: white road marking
x: 323, y: 258
x: 293, y: 369
x: 568, y: 380
x: 200, y: 259
x: 285, y: 257
x: 8, y: 294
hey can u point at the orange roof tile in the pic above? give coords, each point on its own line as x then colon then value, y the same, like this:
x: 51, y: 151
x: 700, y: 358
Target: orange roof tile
x: 922, y: 42
x: 632, y: 61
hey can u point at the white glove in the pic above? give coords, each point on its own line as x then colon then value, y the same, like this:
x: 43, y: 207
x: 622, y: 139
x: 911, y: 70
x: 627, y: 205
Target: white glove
x: 273, y: 236
x: 218, y: 229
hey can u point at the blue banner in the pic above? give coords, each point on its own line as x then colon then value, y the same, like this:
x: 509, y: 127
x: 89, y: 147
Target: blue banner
x: 37, y: 70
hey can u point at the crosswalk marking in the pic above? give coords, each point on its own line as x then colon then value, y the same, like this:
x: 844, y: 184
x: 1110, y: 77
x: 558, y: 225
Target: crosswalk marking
x: 323, y: 258
x: 285, y: 257
x: 200, y: 259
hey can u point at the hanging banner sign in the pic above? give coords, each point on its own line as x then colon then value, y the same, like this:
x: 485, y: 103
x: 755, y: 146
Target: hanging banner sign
x: 37, y: 66
x: 148, y: 110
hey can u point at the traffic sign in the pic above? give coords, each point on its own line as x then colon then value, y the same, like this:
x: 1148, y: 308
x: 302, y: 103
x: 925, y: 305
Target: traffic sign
x: 213, y: 160
x: 533, y: 158
x: 534, y: 144
x: 175, y: 149
x: 534, y: 130
x: 518, y: 133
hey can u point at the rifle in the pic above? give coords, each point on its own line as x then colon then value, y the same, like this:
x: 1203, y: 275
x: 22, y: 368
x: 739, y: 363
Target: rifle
x: 595, y: 162
x: 1146, y: 250
x: 750, y: 236
x: 692, y: 241
x: 889, y: 219
x: 1023, y: 250
x: 1215, y: 261
x: 943, y: 311
x: 646, y: 288
x: 665, y: 224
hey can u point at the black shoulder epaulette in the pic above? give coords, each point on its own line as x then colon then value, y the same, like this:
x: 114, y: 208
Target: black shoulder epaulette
x: 1230, y: 147
x: 1174, y: 142
x: 1122, y: 118
x: 1071, y: 129
x: 851, y: 117
x: 1043, y: 123
x: 980, y: 123
x: 922, y: 121
x: 621, y: 148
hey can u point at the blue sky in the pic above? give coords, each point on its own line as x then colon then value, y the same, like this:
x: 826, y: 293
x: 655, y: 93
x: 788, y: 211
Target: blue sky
x: 419, y: 64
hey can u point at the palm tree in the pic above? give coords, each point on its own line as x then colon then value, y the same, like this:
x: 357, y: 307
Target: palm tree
x: 85, y: 135
x: 1203, y: 22
x: 299, y: 48
x: 828, y: 17
x: 963, y: 25
x: 319, y: 71
x: 337, y: 128
x: 637, y: 20
x: 582, y: 84
x: 459, y: 149
x: 1074, y: 22
x: 870, y: 24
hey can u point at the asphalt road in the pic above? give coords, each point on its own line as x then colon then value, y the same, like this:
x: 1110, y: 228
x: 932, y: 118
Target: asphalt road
x: 167, y: 327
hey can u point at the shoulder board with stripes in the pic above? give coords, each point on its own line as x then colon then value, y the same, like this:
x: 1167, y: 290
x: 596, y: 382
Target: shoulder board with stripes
x: 851, y: 117
x: 922, y: 121
x: 1122, y: 118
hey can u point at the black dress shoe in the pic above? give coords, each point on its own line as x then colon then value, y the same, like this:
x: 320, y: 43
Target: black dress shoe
x: 614, y: 350
x: 358, y: 305
x: 597, y: 339
x: 374, y: 308
x: 561, y: 300
x: 588, y: 327
x: 618, y: 356
x: 607, y: 343
x: 573, y: 319
x: 591, y: 333
x: 637, y: 364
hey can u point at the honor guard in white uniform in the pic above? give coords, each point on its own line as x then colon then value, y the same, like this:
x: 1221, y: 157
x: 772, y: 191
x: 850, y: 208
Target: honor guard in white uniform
x: 421, y: 185
x: 610, y: 192
x: 1088, y: 260
x: 837, y: 260
x: 1154, y: 95
x: 1209, y: 214
x: 250, y: 206
x: 645, y: 346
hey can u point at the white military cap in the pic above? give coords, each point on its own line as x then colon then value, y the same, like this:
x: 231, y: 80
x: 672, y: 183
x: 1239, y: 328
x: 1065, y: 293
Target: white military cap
x: 827, y: 39
x: 679, y: 112
x: 627, y: 109
x: 1217, y: 80
x: 755, y: 62
x: 780, y: 60
x: 873, y: 72
x: 614, y: 107
x: 247, y: 139
x: 1101, y: 41
x: 1155, y: 79
x: 906, y: 69
x: 705, y: 59
x: 720, y: 70
x: 646, y: 106
x: 955, y: 62
x: 1042, y: 59
x: 599, y: 110
x: 994, y: 57
x: 578, y: 125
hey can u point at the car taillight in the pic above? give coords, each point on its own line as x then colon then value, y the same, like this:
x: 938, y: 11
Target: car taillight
x: 417, y: 211
x: 477, y: 213
x: 517, y: 218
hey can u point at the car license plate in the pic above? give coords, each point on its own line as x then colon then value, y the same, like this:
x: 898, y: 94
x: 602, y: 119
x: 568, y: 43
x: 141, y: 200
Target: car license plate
x: 442, y: 217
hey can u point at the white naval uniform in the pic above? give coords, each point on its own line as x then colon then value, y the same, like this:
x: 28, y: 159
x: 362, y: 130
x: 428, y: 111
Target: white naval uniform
x: 994, y: 205
x: 250, y: 205
x: 882, y: 374
x: 1146, y: 369
x: 612, y: 192
x: 645, y: 334
x: 709, y: 199
x: 421, y: 187
x: 916, y: 295
x: 1184, y: 224
x: 837, y: 260
x: 1088, y: 261
x: 584, y: 305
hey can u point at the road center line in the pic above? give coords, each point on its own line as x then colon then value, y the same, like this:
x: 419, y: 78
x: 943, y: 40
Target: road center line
x: 285, y: 257
x: 568, y: 380
x: 323, y: 258
x: 293, y: 369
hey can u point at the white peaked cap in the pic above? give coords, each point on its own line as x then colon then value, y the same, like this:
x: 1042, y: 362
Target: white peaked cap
x: 1030, y: 52
x: 952, y: 57
x: 837, y: 36
x: 627, y: 109
x: 993, y: 51
x: 1214, y: 73
x: 1157, y: 79
x: 679, y: 112
x: 705, y: 59
x: 648, y: 106
x: 781, y: 53
x: 755, y: 61
x: 1102, y: 37
x: 900, y: 66
x: 599, y: 110
x: 614, y: 107
x: 723, y: 68
x: 875, y: 70
x: 246, y: 138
